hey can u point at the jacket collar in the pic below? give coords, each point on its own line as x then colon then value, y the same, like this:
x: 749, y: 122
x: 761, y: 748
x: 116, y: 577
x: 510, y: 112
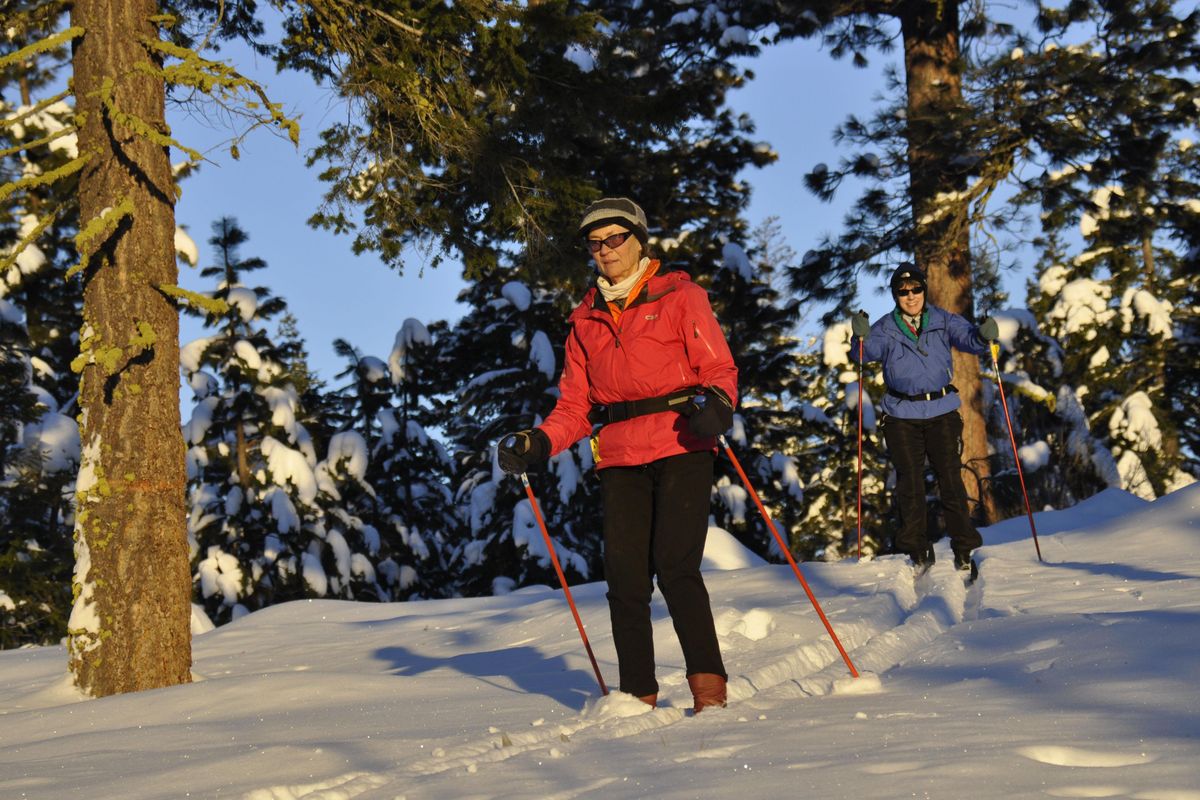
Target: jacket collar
x: 663, y: 283
x: 902, y: 325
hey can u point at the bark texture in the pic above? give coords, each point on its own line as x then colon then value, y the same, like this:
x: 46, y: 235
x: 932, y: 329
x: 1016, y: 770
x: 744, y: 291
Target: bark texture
x: 130, y: 625
x: 936, y: 113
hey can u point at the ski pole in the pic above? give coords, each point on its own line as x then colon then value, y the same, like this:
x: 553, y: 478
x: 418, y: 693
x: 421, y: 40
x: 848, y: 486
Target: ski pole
x: 860, y: 438
x: 994, y: 348
x: 562, y: 579
x: 787, y: 553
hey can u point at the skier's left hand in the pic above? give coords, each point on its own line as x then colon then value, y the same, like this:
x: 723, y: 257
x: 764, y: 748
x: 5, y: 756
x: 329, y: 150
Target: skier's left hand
x: 709, y: 413
x: 989, y: 329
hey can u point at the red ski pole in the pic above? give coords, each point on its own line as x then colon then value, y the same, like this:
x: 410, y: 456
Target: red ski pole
x: 787, y: 553
x: 994, y: 347
x: 860, y: 438
x: 562, y: 579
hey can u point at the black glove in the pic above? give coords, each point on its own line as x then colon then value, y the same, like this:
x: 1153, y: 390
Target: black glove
x: 989, y: 329
x: 519, y: 451
x: 860, y: 323
x: 709, y: 413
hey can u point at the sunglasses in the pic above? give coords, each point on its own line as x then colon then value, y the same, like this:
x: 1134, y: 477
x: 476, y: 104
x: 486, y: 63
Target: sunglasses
x: 611, y: 242
x: 907, y: 292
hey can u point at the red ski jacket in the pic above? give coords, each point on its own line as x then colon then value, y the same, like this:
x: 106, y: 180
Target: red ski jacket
x: 667, y: 339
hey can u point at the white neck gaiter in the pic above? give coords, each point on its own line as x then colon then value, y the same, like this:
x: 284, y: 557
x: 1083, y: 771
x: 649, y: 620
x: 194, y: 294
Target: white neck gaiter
x: 617, y: 291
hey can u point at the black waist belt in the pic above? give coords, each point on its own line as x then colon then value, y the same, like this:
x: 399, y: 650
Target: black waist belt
x: 619, y: 412
x: 942, y: 392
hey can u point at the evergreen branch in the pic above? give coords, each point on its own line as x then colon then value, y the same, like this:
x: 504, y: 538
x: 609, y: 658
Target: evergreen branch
x: 206, y: 75
x: 46, y: 178
x: 9, y: 260
x: 38, y: 142
x: 200, y: 302
x: 42, y: 105
x: 101, y: 225
x: 1024, y: 387
x: 386, y: 17
x: 138, y: 125
x: 41, y: 46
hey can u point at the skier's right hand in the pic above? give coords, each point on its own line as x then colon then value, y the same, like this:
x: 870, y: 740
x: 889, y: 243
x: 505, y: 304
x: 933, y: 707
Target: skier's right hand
x: 860, y: 324
x: 518, y: 452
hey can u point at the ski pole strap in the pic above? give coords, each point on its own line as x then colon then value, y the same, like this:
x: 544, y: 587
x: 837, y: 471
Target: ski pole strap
x: 942, y: 392
x: 628, y: 409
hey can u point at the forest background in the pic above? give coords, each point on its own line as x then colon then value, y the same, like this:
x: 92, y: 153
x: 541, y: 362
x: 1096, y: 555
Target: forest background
x: 462, y: 139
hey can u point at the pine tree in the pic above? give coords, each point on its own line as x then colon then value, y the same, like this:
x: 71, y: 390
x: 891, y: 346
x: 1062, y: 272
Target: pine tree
x: 129, y: 628
x: 402, y: 501
x: 38, y: 451
x: 758, y: 325
x: 826, y: 396
x: 574, y: 100
x: 512, y: 343
x: 39, y: 443
x: 413, y: 469
x: 1118, y: 169
x: 252, y: 465
x: 37, y: 225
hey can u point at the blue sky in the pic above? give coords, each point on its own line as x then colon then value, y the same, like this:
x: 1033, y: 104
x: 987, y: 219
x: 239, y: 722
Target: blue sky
x: 798, y: 96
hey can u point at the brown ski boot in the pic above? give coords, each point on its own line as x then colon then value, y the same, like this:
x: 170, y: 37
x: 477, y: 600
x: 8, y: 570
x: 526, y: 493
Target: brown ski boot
x: 650, y: 699
x: 708, y: 689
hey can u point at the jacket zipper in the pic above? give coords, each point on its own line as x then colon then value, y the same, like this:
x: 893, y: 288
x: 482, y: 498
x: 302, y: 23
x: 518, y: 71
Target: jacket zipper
x: 697, y: 335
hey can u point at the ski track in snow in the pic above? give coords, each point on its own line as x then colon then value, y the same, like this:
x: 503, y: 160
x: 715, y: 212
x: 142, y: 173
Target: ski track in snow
x: 928, y: 605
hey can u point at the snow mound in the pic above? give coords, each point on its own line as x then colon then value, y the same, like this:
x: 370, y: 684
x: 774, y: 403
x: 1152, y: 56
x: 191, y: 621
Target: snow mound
x: 755, y: 625
x: 722, y: 551
x: 865, y: 683
x: 615, y: 705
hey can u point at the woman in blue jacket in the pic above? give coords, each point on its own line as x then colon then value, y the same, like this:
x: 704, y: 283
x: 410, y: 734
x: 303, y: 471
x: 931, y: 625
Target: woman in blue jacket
x: 920, y: 418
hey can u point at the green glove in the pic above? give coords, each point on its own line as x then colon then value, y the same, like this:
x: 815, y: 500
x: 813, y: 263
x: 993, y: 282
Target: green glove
x: 860, y: 323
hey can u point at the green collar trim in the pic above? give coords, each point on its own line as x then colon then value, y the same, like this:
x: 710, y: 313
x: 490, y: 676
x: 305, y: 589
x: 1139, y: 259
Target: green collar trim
x: 903, y: 326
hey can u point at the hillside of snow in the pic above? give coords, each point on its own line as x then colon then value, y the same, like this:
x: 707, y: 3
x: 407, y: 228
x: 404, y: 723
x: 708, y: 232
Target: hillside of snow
x: 1072, y: 678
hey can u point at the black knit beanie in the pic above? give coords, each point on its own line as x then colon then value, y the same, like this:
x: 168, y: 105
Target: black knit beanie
x: 907, y: 272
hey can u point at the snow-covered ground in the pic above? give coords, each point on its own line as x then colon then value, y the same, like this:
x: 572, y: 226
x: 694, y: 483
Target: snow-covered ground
x: 1076, y: 677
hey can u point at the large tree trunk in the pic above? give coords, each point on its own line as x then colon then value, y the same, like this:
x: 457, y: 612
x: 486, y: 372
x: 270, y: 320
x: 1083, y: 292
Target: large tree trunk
x: 130, y: 625
x: 936, y: 113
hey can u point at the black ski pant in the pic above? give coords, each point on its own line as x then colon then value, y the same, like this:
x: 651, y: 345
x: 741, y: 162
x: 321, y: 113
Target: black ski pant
x: 910, y: 442
x: 655, y: 524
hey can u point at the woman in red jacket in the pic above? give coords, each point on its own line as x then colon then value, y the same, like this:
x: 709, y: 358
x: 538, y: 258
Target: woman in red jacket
x: 647, y: 362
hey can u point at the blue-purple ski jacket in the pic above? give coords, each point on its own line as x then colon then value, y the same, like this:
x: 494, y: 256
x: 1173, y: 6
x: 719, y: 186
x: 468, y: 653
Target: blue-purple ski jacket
x: 921, y: 366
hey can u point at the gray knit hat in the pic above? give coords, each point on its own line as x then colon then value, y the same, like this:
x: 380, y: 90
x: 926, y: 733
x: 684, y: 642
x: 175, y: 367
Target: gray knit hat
x: 615, y: 211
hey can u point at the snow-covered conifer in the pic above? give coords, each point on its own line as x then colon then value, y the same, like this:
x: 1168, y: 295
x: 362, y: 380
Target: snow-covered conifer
x: 257, y: 532
x: 39, y: 318
x: 503, y: 360
x: 1114, y: 177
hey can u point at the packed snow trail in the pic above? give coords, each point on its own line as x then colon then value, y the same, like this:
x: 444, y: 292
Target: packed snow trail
x: 897, y: 617
x: 1072, y: 678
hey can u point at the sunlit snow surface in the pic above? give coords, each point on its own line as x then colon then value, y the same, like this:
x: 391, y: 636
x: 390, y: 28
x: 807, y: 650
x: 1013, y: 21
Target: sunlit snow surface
x: 1072, y: 678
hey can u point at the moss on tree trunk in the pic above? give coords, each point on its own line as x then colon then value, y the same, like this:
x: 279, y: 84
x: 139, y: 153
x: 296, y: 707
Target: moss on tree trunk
x: 130, y: 626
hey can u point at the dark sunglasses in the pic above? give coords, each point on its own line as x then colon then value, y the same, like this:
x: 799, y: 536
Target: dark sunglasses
x: 611, y: 242
x: 907, y: 292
